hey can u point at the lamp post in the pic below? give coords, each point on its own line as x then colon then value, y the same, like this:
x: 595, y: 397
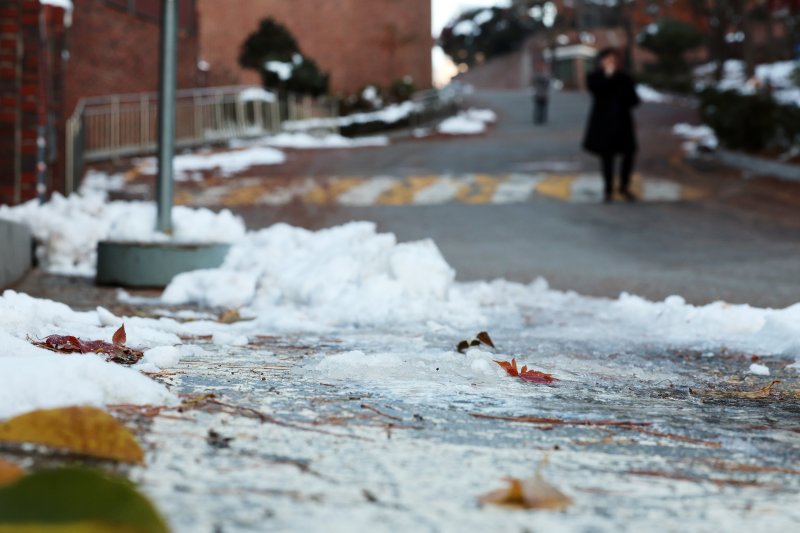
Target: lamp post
x: 166, y: 114
x: 155, y: 263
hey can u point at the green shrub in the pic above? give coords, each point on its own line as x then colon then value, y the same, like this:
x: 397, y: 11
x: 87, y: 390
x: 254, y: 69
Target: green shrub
x: 749, y: 121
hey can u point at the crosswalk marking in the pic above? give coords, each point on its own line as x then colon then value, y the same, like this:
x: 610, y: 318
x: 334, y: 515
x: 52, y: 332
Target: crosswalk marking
x: 404, y: 191
x: 517, y: 188
x: 328, y: 192
x: 471, y: 189
x: 480, y: 189
x: 367, y: 192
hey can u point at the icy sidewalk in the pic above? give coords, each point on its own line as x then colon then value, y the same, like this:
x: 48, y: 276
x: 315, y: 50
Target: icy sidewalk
x: 394, y: 447
x: 373, y: 428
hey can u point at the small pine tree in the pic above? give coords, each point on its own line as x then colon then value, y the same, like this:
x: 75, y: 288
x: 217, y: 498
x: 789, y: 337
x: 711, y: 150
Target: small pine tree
x: 274, y: 44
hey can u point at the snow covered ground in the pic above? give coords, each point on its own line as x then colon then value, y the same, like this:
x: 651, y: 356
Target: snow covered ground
x: 288, y: 280
x: 347, y: 338
x: 390, y: 114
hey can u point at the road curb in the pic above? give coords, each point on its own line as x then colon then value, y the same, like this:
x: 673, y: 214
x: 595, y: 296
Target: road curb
x: 16, y: 252
x: 757, y: 165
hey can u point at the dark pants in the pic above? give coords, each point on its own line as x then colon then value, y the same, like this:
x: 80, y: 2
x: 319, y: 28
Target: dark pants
x: 607, y: 162
x: 539, y: 110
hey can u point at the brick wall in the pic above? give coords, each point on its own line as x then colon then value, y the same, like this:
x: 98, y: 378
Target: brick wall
x: 113, y: 47
x: 358, y: 41
x: 31, y: 41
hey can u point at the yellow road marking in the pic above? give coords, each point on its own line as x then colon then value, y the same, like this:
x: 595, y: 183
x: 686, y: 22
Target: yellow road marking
x: 482, y: 191
x: 244, y: 195
x: 404, y: 191
x: 556, y: 186
x: 327, y: 192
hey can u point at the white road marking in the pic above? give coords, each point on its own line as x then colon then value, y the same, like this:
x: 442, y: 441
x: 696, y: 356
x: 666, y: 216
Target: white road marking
x: 517, y: 188
x: 368, y: 192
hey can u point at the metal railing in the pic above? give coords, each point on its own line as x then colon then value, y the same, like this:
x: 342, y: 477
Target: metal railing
x: 125, y: 125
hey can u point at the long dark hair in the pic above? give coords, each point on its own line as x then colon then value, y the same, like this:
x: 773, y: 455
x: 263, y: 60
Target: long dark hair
x: 604, y: 53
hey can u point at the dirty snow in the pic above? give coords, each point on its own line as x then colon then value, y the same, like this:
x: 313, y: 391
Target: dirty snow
x: 228, y: 162
x: 696, y: 138
x: 390, y: 114
x: 302, y: 140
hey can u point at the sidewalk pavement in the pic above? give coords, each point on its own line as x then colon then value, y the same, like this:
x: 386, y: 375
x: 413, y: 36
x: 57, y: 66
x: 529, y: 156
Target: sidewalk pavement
x: 634, y: 434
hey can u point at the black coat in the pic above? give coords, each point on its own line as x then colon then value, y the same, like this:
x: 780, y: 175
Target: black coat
x: 610, y: 129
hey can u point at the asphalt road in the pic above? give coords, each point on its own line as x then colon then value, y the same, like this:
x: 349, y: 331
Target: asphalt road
x: 740, y: 243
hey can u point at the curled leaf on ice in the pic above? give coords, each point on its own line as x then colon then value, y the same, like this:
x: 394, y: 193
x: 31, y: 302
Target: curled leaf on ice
x: 531, y: 376
x: 758, y: 394
x: 531, y: 493
x: 120, y: 338
x: 85, y: 431
x: 9, y: 473
x: 481, y: 338
x: 115, y: 351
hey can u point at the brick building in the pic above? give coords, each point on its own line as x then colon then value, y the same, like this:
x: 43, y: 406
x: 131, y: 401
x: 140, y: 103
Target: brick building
x: 31, y: 96
x: 51, y: 57
x: 358, y: 41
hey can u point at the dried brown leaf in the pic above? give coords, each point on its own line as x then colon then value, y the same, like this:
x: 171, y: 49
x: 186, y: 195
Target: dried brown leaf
x: 531, y: 493
x: 120, y: 338
x: 759, y: 394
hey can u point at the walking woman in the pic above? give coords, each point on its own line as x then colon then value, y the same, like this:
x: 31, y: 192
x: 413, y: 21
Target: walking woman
x: 610, y: 132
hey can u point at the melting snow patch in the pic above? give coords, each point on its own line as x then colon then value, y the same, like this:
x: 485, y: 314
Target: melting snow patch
x: 759, y: 370
x: 470, y: 122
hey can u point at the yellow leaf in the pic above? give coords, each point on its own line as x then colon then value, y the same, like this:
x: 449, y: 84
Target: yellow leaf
x: 81, y: 430
x: 532, y: 493
x: 9, y: 473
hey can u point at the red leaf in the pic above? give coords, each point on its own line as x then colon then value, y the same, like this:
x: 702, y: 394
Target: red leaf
x: 511, y: 367
x: 531, y: 376
x: 119, y: 337
x: 534, y: 376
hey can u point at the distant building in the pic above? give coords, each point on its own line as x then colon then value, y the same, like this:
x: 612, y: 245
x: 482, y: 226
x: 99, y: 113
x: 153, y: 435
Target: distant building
x: 359, y: 41
x: 51, y: 58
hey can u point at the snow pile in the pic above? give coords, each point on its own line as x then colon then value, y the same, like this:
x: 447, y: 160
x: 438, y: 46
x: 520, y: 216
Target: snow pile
x: 697, y: 138
x: 257, y: 94
x: 648, y: 94
x: 228, y: 163
x: 302, y: 140
x: 389, y: 115
x: 348, y: 275
x: 67, y: 229
x: 469, y: 122
x: 773, y: 77
x: 34, y: 378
